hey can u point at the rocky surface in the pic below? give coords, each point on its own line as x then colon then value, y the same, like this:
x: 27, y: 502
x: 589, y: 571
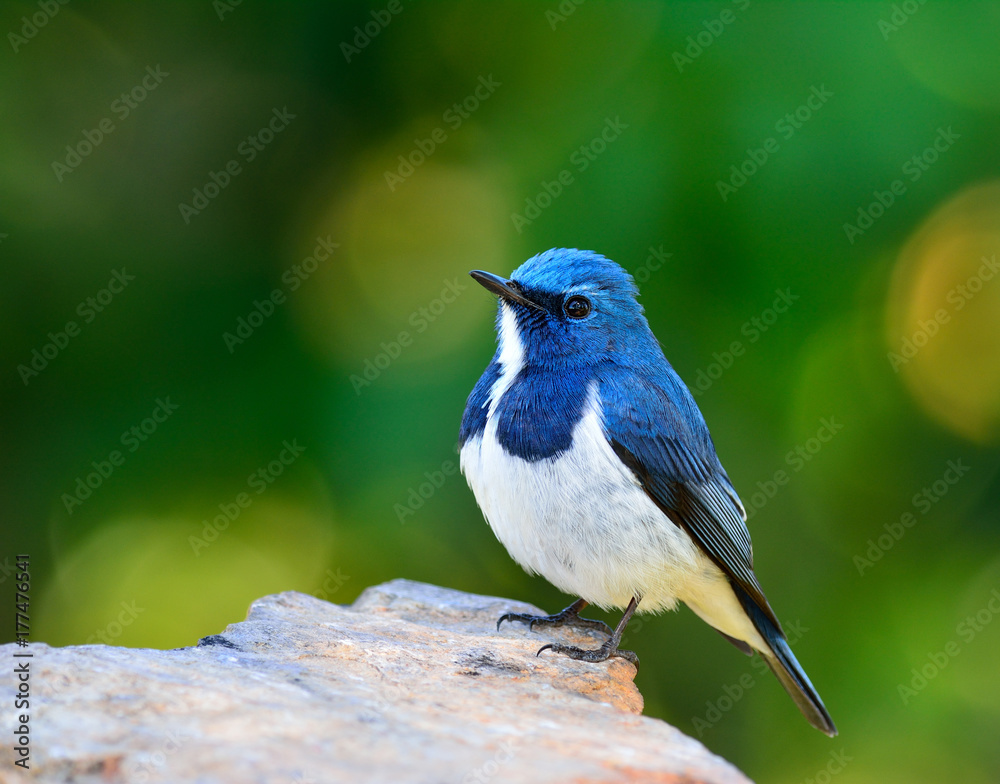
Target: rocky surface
x: 412, y: 683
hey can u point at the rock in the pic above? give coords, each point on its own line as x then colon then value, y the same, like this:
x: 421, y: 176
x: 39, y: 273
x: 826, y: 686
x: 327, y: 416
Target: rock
x: 412, y: 683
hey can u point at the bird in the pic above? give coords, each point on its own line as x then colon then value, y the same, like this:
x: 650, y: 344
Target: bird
x: 594, y: 467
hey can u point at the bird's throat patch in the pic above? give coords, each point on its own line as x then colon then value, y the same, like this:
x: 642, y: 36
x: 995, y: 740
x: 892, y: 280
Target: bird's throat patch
x: 537, y: 414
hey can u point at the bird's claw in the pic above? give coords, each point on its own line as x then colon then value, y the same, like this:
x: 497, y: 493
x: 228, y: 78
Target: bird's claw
x: 563, y: 618
x: 605, y: 652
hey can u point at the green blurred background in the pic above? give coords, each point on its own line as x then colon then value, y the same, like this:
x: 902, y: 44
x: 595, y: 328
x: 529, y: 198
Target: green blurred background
x: 864, y: 438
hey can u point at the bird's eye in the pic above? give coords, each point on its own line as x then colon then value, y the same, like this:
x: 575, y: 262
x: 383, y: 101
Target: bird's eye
x: 514, y: 286
x: 577, y: 307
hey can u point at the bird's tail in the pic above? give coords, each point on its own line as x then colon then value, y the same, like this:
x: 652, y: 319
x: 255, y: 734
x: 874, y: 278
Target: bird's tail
x: 786, y: 667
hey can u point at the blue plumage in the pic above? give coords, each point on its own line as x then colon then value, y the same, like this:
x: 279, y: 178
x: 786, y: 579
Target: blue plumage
x: 552, y: 401
x: 595, y: 468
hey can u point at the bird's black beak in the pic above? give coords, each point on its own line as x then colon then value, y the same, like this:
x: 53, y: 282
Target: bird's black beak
x: 502, y: 288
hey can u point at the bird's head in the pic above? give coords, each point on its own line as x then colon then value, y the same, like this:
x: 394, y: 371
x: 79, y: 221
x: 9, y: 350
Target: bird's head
x: 569, y: 306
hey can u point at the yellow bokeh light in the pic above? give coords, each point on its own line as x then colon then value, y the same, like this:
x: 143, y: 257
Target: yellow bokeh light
x: 944, y: 314
x: 404, y: 255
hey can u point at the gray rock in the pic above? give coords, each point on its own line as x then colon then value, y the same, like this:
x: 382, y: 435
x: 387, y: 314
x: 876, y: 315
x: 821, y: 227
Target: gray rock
x: 412, y: 683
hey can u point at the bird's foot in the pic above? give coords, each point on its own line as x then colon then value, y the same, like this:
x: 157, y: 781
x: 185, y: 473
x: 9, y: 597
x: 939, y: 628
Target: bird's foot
x: 568, y: 617
x: 607, y: 651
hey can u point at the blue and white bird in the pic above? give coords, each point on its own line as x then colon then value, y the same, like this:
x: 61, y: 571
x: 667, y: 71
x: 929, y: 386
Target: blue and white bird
x: 594, y: 467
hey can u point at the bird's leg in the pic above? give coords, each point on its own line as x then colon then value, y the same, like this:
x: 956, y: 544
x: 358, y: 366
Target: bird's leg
x: 568, y: 617
x: 606, y: 651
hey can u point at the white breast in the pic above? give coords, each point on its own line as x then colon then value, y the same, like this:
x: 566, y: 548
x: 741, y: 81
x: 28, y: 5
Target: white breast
x: 582, y: 521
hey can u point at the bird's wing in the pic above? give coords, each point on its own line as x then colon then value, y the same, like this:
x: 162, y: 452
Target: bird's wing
x: 660, y: 435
